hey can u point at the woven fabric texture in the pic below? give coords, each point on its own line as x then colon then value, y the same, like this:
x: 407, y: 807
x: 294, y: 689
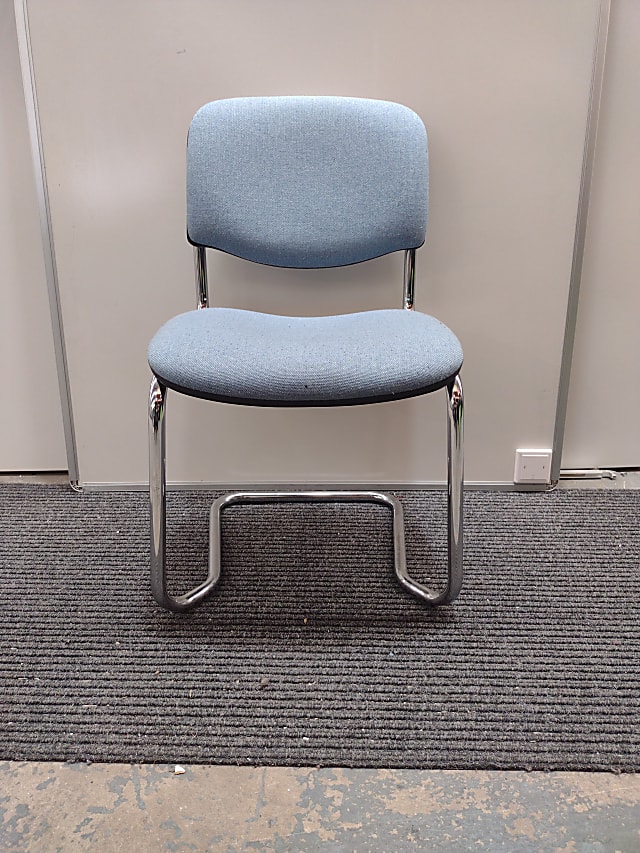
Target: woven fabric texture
x: 310, y: 652
x: 244, y: 356
x: 306, y: 181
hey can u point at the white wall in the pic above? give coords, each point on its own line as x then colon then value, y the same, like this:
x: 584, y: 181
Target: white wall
x: 503, y: 88
x: 603, y: 413
x: 31, y: 436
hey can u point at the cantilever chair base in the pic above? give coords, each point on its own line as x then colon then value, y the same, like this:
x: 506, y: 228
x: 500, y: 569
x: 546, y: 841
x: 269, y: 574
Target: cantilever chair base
x: 157, y: 406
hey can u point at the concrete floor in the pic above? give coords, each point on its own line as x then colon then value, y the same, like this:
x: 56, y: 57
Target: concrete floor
x: 51, y: 807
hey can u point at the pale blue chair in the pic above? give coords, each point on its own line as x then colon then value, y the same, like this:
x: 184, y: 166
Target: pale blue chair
x: 305, y: 182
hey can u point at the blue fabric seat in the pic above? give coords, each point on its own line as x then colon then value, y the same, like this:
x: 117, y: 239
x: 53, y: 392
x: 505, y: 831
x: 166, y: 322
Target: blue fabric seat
x: 305, y: 182
x: 250, y: 358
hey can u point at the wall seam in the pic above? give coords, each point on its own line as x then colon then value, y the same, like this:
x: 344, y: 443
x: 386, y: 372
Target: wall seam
x: 48, y: 249
x: 575, y: 279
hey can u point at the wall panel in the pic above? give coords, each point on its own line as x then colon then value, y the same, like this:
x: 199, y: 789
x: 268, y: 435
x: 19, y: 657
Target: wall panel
x: 603, y: 410
x: 31, y: 436
x: 503, y: 88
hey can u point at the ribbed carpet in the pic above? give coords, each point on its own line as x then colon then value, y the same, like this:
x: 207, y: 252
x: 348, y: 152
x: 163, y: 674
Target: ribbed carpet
x: 310, y: 652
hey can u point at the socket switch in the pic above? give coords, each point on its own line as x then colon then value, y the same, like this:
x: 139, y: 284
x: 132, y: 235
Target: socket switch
x: 532, y: 466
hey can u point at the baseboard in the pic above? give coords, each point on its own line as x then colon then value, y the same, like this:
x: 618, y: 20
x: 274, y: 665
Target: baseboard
x: 497, y: 486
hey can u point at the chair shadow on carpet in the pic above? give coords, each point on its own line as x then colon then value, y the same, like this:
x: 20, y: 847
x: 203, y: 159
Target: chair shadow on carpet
x: 288, y: 566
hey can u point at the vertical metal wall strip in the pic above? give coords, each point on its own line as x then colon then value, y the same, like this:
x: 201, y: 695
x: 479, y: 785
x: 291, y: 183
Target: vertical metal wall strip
x: 588, y: 158
x: 33, y: 120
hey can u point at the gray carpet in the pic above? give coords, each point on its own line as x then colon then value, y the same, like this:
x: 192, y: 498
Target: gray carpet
x: 310, y: 652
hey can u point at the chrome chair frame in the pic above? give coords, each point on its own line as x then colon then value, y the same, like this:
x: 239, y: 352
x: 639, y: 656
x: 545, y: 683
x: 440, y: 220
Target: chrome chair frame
x: 157, y: 488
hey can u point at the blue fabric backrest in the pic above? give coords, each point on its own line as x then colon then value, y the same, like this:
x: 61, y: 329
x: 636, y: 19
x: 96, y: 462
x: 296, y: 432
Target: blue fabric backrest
x: 306, y: 181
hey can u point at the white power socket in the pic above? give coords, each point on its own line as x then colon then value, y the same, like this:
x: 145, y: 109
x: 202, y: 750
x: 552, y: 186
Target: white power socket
x: 532, y: 466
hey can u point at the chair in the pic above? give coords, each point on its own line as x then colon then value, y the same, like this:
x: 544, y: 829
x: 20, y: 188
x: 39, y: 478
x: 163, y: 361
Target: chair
x: 305, y: 182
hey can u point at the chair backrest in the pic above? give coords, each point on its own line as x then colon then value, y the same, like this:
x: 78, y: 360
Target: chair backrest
x: 306, y: 181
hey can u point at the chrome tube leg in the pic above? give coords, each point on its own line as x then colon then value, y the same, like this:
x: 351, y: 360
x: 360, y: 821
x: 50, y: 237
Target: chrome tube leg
x: 455, y: 479
x: 157, y: 489
x: 455, y: 488
x: 158, y: 511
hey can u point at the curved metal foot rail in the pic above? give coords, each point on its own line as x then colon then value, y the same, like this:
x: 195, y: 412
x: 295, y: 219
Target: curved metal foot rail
x: 157, y: 489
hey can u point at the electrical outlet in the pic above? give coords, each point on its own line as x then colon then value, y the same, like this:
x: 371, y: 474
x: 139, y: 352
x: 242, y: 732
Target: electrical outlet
x: 532, y: 466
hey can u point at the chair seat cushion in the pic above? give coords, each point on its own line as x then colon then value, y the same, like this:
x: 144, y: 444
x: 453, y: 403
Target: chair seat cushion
x: 245, y: 357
